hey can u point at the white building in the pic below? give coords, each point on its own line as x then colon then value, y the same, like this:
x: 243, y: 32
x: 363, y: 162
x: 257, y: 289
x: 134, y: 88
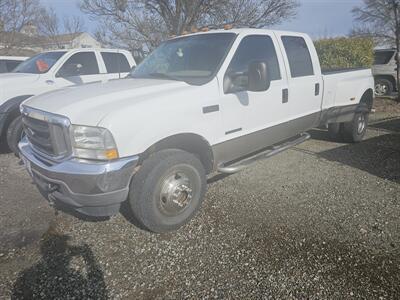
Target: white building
x: 28, y: 42
x: 69, y: 41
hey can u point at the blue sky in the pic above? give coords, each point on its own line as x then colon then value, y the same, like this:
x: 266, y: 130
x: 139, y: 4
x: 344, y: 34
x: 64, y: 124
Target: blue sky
x: 318, y: 18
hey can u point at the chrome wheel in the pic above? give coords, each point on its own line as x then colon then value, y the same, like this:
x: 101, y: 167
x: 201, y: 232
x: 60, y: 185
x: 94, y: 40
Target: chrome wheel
x: 361, y: 123
x: 381, y: 89
x: 176, y: 193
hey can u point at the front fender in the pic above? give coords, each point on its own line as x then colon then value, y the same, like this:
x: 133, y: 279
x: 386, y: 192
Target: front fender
x: 13, y: 103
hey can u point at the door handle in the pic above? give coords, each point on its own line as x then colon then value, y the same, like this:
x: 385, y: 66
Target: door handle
x: 317, y: 87
x: 285, y: 96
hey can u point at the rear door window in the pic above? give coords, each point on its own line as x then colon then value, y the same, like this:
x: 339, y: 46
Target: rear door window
x: 299, y: 57
x: 115, y: 62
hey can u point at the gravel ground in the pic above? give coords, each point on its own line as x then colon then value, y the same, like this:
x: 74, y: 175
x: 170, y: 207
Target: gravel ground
x: 320, y: 221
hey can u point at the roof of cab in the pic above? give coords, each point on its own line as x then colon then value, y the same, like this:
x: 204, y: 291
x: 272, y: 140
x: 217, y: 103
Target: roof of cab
x: 239, y: 31
x: 86, y: 49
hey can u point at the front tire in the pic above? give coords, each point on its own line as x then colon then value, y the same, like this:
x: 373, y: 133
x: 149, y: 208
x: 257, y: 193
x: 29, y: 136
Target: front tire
x: 15, y: 133
x: 168, y: 190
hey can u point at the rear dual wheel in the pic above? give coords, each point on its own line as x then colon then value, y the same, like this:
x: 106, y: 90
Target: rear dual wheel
x: 351, y: 132
x: 168, y: 190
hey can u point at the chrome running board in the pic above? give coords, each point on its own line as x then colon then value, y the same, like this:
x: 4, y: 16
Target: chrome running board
x: 276, y: 149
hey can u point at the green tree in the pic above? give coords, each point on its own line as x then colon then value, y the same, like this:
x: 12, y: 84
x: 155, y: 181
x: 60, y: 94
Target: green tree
x: 344, y: 52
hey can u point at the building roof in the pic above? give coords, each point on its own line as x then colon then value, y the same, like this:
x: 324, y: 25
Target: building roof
x: 25, y: 40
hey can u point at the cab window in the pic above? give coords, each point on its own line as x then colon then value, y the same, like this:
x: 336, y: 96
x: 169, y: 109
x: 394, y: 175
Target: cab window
x: 298, y: 55
x: 82, y: 63
x: 256, y: 48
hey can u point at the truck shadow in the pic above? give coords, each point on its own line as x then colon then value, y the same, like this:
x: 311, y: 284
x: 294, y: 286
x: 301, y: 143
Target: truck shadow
x: 379, y: 156
x: 63, y: 272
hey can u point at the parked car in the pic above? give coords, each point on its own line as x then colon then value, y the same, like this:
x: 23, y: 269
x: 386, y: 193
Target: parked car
x: 9, y: 63
x: 384, y: 71
x: 205, y: 102
x: 52, y: 70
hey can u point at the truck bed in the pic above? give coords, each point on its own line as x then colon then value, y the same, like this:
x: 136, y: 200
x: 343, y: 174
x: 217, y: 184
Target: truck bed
x: 345, y: 87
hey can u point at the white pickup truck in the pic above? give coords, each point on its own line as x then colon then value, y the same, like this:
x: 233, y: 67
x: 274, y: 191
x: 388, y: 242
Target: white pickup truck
x: 200, y: 103
x: 53, y: 70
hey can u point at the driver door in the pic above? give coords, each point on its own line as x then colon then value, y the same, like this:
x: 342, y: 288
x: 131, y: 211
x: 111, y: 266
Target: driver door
x: 248, y: 116
x: 80, y: 68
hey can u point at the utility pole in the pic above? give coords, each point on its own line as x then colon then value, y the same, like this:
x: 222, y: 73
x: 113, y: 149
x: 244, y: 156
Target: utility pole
x: 396, y: 14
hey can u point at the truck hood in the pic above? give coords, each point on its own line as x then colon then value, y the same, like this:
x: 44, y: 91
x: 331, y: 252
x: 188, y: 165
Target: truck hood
x: 88, y: 104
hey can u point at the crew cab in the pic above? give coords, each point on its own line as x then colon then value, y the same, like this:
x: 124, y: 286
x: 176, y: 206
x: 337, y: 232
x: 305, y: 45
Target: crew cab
x: 9, y: 63
x: 53, y: 70
x: 202, y: 103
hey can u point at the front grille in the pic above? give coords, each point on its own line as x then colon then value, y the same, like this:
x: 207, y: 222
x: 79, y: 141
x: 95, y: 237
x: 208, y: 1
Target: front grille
x: 38, y: 134
x: 45, y: 137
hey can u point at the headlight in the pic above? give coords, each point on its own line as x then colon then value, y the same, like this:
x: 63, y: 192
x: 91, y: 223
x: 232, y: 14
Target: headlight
x: 93, y: 143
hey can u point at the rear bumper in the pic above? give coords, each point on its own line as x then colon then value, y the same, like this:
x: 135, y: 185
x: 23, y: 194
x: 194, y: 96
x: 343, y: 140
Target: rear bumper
x: 89, y: 188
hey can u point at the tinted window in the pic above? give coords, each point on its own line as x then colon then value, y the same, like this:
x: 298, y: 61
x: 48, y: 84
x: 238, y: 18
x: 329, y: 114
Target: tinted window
x: 383, y: 57
x: 40, y: 63
x: 12, y: 64
x: 298, y: 55
x: 83, y: 63
x: 3, y: 67
x: 256, y: 48
x: 115, y: 62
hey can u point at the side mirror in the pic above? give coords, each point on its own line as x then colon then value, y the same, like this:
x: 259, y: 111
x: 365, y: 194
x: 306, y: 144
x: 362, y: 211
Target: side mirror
x: 258, y: 77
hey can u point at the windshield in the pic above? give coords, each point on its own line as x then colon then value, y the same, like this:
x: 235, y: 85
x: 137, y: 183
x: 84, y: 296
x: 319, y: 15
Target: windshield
x: 193, y: 59
x: 40, y: 63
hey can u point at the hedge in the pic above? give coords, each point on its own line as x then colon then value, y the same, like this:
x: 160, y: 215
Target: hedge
x: 338, y: 53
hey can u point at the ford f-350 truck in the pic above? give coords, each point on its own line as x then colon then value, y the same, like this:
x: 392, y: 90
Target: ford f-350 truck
x: 202, y: 103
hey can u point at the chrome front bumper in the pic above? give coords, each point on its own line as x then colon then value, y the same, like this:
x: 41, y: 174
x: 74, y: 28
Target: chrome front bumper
x: 90, y: 188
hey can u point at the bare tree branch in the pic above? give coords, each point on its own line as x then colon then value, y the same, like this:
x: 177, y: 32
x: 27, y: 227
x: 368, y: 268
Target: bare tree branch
x: 376, y: 18
x: 143, y: 24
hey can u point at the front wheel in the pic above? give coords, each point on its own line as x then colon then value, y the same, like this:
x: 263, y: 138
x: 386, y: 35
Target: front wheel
x: 15, y: 133
x: 168, y: 190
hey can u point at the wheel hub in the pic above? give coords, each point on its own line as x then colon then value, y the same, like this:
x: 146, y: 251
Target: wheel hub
x: 176, y: 193
x: 361, y: 124
x: 381, y: 89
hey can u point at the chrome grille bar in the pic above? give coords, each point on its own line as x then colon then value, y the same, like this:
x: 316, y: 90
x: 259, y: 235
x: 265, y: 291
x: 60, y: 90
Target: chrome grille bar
x: 47, y: 133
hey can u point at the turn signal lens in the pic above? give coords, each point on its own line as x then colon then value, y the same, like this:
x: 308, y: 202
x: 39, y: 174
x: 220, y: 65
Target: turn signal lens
x: 112, y: 154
